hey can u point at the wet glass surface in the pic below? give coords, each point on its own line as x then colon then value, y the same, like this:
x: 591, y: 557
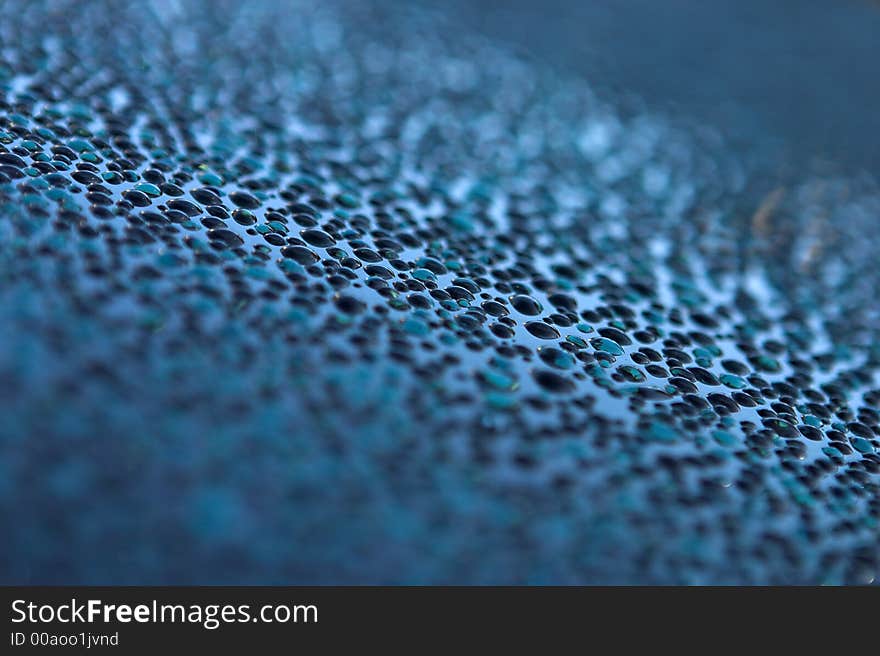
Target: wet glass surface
x: 333, y: 293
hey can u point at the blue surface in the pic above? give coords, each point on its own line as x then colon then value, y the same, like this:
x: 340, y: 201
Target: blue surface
x: 336, y: 293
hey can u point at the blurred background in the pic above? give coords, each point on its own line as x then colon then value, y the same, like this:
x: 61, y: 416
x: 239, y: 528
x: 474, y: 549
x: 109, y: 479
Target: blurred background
x: 802, y: 73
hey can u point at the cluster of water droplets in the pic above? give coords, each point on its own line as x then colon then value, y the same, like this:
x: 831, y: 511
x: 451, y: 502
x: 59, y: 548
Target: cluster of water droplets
x: 337, y: 293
